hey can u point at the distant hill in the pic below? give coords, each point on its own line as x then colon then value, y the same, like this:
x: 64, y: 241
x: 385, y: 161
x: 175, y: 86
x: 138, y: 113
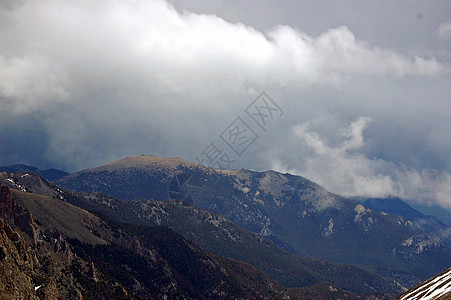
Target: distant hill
x: 435, y: 210
x: 295, y: 213
x: 50, y: 174
x: 396, y: 206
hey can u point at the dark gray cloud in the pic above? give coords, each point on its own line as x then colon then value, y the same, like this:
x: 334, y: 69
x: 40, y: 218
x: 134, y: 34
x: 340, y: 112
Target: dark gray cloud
x: 364, y: 87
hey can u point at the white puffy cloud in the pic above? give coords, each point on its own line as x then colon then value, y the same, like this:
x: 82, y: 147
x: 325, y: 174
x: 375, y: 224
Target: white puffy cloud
x: 426, y: 186
x: 342, y: 170
x: 349, y: 174
x: 148, y: 46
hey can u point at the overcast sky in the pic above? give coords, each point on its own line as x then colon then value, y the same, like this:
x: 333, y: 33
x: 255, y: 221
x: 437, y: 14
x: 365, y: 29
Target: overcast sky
x: 362, y: 88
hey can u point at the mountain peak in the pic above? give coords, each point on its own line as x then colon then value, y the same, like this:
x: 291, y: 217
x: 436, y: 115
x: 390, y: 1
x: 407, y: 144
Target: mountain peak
x: 145, y: 161
x: 287, y: 209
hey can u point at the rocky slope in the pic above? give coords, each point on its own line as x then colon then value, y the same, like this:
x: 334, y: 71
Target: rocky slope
x: 295, y: 213
x: 216, y: 234
x: 33, y: 261
x: 222, y: 237
x: 85, y: 257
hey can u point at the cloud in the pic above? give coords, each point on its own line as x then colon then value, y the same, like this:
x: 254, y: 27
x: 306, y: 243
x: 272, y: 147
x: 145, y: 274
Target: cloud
x: 426, y: 186
x: 65, y: 50
x: 444, y: 31
x: 342, y: 170
x: 31, y: 82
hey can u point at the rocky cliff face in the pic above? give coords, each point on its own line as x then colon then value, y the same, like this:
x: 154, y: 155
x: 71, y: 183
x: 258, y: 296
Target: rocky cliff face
x: 416, y: 245
x: 8, y: 208
x: 15, y: 281
x: 25, y: 252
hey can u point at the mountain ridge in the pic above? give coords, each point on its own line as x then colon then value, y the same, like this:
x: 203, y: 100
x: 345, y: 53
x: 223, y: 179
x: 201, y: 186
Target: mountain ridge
x: 285, y: 208
x: 137, y: 262
x: 217, y: 235
x: 50, y: 174
x: 394, y: 205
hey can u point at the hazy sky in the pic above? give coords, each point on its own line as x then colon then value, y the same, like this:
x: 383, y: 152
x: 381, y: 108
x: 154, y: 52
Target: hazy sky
x: 364, y: 87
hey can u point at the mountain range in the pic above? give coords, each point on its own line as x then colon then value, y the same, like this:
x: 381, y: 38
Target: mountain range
x: 215, y: 234
x: 260, y: 229
x: 50, y: 249
x: 296, y: 214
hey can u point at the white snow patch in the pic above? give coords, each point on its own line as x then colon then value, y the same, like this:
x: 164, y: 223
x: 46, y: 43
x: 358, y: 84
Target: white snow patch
x: 435, y: 288
x: 328, y: 230
x: 361, y: 210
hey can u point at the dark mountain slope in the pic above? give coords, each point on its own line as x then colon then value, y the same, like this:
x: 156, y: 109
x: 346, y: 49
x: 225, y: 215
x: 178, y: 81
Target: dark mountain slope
x: 70, y: 221
x: 222, y: 237
x: 295, y: 213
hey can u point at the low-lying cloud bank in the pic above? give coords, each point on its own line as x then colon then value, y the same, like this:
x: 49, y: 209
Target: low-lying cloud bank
x: 342, y: 170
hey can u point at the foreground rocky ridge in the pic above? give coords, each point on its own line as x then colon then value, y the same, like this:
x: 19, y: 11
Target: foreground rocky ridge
x: 25, y: 253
